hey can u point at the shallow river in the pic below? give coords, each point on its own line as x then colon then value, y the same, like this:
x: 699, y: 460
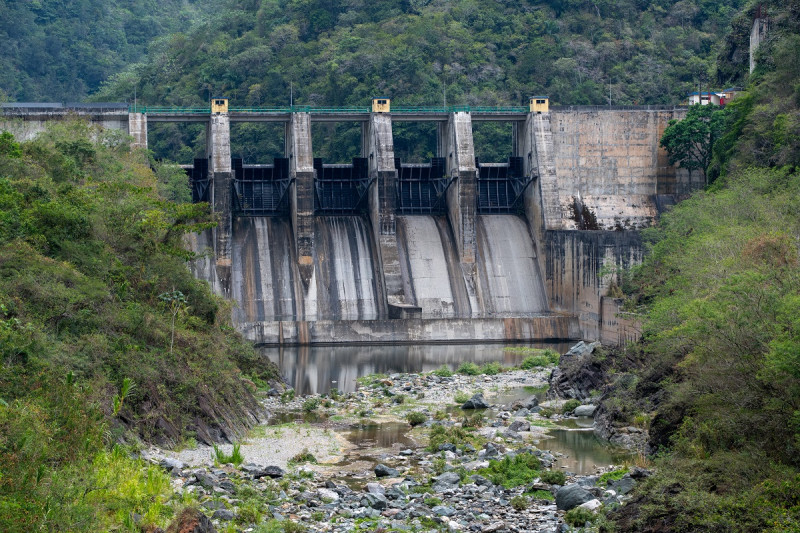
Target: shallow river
x: 317, y: 369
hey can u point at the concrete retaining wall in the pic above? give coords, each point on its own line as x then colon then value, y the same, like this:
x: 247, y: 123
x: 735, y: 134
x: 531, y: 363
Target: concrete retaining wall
x: 538, y: 328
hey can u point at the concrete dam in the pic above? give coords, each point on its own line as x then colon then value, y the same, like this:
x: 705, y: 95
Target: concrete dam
x: 451, y: 250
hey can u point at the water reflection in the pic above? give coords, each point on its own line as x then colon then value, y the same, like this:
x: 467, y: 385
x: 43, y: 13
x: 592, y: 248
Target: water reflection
x: 583, y: 449
x: 313, y: 369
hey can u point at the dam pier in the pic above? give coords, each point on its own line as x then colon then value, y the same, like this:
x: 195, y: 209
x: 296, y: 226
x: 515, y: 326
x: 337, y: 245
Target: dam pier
x: 452, y: 250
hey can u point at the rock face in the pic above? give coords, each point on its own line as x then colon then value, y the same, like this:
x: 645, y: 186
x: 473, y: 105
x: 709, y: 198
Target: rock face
x: 576, y: 375
x: 191, y: 521
x: 570, y: 496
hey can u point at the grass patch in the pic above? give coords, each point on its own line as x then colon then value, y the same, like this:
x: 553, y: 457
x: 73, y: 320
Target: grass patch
x: 460, y: 397
x: 221, y: 458
x: 578, y: 517
x: 540, y: 494
x: 540, y: 358
x: 459, y: 436
x: 612, y: 476
x: 509, y: 473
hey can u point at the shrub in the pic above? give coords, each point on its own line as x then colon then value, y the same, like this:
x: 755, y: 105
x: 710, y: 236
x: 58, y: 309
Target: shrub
x: 540, y: 358
x: 546, y: 412
x: 310, y: 405
x: 491, y: 369
x: 443, y: 372
x: 303, y: 457
x: 542, y: 495
x: 469, y: 369
x: 519, y: 502
x: 416, y: 418
x: 578, y: 516
x: 287, y: 396
x: 472, y: 421
x: 570, y: 405
x: 554, y: 477
x: 440, y: 435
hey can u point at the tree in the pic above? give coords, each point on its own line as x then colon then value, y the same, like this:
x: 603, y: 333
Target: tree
x: 689, y: 142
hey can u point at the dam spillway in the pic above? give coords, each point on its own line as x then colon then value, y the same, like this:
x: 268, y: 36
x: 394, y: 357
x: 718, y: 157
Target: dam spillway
x: 452, y: 251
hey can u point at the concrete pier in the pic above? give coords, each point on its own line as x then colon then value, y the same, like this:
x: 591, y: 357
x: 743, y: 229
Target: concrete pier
x: 219, y: 168
x: 301, y: 199
x: 378, y: 148
x: 137, y: 128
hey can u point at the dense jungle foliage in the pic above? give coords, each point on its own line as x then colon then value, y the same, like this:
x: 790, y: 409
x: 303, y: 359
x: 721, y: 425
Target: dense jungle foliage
x: 425, y: 52
x: 719, y: 362
x: 63, y: 50
x: 92, y: 274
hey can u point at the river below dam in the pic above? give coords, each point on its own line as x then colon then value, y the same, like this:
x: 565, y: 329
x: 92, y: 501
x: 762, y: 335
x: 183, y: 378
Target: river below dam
x: 318, y: 369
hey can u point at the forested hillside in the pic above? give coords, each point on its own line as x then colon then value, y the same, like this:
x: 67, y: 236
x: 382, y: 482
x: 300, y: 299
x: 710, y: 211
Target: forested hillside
x: 62, y: 50
x: 716, y: 377
x: 104, y: 334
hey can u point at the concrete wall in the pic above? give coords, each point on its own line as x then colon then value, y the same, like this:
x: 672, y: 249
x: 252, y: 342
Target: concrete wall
x: 610, y: 167
x: 413, y: 330
x: 579, y: 268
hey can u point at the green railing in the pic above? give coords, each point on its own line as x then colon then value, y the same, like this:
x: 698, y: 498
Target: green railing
x: 162, y: 110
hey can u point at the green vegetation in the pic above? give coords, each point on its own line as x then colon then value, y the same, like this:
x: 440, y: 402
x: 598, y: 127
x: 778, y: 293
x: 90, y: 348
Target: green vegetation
x: 469, y: 368
x: 578, y: 516
x: 463, y: 52
x: 570, y: 405
x: 540, y: 358
x: 614, y: 475
x: 62, y: 52
x: 443, y: 372
x: 491, y: 369
x: 541, y: 495
x: 416, y: 418
x: 689, y: 141
x: 460, y: 397
x: 459, y: 436
x: 304, y: 456
x: 717, y: 367
x: 221, y: 458
x: 310, y: 405
x: 520, y: 502
x: 554, y: 477
x: 88, y: 349
x: 520, y: 470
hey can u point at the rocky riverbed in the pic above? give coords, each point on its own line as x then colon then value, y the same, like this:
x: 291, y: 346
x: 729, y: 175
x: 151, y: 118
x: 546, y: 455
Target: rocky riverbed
x: 405, y: 452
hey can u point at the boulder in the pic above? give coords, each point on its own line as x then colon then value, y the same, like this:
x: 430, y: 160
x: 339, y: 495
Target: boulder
x: 624, y: 485
x: 584, y: 410
x: 375, y: 488
x: 520, y: 425
x: 384, y: 471
x: 375, y: 501
x: 446, y: 481
x: 476, y: 402
x: 591, y: 504
x: 570, y: 496
x: 223, y: 514
x: 327, y: 495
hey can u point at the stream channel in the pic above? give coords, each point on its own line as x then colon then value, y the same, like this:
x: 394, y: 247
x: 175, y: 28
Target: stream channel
x: 318, y: 369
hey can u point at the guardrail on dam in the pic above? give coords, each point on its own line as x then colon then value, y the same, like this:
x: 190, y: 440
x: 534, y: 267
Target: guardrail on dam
x: 452, y: 250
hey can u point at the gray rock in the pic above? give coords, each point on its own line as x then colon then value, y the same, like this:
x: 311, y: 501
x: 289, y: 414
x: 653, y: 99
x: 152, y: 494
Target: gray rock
x: 624, y: 485
x: 476, y: 402
x: 531, y: 402
x: 447, y: 447
x: 446, y: 481
x: 407, y: 452
x: 327, y: 495
x: 443, y: 510
x: 206, y: 480
x: 384, y: 471
x: 170, y: 464
x: 223, y: 514
x: 519, y: 425
x: 213, y: 505
x: 584, y: 410
x: 375, y: 501
x: 640, y: 473
x: 491, y: 451
x: 570, y: 496
x: 272, y: 471
x: 375, y: 488
x: 494, y: 526
x: 480, y: 480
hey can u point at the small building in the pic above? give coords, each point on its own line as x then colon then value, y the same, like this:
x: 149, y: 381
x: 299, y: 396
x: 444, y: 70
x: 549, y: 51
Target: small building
x: 381, y: 104
x: 539, y: 104
x: 727, y: 95
x: 219, y: 104
x: 704, y: 98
